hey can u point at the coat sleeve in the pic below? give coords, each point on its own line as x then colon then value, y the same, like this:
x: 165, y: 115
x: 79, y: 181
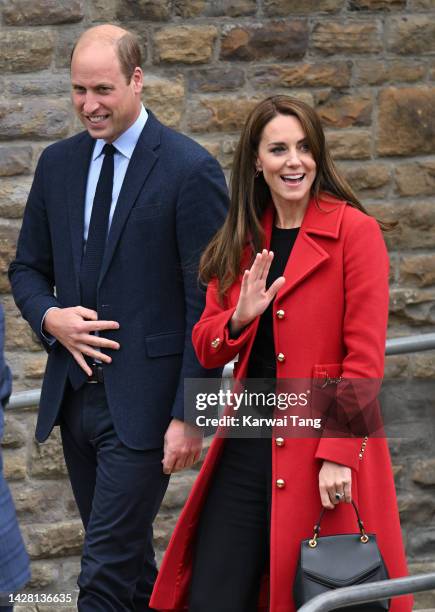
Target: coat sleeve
x: 364, y: 329
x: 211, y: 339
x: 201, y: 208
x: 31, y: 273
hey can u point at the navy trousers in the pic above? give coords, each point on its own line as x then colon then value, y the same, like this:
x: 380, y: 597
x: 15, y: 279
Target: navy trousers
x: 118, y: 491
x: 232, y: 546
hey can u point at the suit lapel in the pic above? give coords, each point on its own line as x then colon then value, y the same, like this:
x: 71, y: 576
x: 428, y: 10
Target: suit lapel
x: 322, y: 218
x: 142, y: 161
x: 77, y: 176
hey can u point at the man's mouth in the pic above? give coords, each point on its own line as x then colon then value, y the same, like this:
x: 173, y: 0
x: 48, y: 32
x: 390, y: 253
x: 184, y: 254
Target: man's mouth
x: 95, y: 119
x: 293, y: 179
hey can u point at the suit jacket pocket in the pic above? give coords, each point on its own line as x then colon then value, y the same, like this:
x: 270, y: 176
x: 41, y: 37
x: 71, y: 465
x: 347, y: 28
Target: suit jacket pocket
x: 146, y: 211
x: 162, y: 345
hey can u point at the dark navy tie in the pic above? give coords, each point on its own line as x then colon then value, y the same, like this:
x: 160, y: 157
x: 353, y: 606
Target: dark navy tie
x: 98, y: 228
x: 93, y: 256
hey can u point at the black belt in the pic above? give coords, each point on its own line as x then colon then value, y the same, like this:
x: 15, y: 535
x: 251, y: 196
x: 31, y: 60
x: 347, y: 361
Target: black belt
x: 97, y: 375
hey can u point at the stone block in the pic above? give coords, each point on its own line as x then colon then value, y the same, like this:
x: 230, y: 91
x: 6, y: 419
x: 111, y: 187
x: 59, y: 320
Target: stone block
x: 413, y: 306
x: 275, y: 40
x: 15, y: 160
x: 219, y: 114
x: 286, y: 8
x: 34, y: 119
x: 229, y: 144
x: 375, y: 72
x: 42, y: 12
x: 19, y: 335
x: 150, y: 10
x: 25, y: 50
x: 396, y: 366
x: 178, y: 490
x: 421, y: 5
x: 423, y: 472
x: 327, y: 74
x: 13, y: 196
x: 340, y: 110
x: 43, y: 575
x: 34, y: 366
x: 103, y: 10
x: 230, y: 8
x: 185, y: 44
x: 189, y: 8
x: 405, y: 121
x: 418, y: 270
x: 45, y: 541
x: 367, y: 178
x: 15, y: 434
x: 216, y: 79
x: 423, y: 366
x: 416, y: 228
x: 41, y: 502
x: 422, y: 542
x: 416, y: 178
x: 8, y: 245
x: 377, y: 5
x: 331, y: 37
x: 212, y: 146
x: 411, y: 35
x: 47, y: 459
x: 14, y: 464
x: 350, y: 144
x: 165, y: 97
x: 46, y: 85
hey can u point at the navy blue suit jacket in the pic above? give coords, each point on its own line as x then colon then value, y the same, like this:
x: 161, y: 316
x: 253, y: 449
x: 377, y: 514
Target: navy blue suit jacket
x: 172, y: 201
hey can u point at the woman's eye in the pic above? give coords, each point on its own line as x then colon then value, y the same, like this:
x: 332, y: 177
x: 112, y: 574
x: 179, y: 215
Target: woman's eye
x: 305, y: 147
x: 277, y: 150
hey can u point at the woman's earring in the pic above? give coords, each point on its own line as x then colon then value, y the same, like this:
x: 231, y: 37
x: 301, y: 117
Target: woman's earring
x: 257, y: 173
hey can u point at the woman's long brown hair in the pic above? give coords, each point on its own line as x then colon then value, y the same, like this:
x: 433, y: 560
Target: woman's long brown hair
x: 250, y: 194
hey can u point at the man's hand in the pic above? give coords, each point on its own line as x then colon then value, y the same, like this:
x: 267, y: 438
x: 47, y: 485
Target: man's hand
x: 182, y: 446
x: 334, y: 478
x: 73, y: 328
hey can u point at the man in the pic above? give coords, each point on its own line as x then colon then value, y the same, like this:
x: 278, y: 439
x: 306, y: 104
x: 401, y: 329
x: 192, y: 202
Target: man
x: 14, y: 562
x: 116, y: 220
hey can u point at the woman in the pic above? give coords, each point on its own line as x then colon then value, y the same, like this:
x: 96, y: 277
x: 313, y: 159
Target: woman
x: 318, y: 308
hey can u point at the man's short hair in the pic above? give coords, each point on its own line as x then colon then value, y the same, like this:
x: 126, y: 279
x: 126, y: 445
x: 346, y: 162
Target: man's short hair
x: 128, y: 51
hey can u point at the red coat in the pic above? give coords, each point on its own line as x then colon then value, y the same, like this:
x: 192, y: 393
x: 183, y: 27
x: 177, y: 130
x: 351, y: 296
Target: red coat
x: 335, y: 303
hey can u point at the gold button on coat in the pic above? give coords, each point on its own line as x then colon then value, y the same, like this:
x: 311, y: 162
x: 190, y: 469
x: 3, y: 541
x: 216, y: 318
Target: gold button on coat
x: 215, y: 343
x: 280, y: 314
x: 280, y: 483
x: 279, y: 441
x: 280, y: 357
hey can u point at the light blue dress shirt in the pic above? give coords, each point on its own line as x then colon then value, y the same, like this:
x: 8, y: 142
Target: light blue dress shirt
x: 124, y: 145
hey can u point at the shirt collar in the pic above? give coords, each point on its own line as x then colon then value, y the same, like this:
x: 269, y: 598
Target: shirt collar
x: 125, y: 143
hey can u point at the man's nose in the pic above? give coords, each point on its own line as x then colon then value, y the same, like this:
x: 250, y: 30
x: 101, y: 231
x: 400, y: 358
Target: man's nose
x: 90, y: 105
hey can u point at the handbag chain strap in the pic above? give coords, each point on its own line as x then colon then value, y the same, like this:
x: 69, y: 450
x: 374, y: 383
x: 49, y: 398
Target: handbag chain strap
x: 364, y: 538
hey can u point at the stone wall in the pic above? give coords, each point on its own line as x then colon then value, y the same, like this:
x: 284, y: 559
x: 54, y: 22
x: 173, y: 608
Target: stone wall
x: 368, y: 68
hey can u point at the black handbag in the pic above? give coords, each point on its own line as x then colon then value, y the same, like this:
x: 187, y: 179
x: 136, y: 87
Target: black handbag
x: 332, y: 562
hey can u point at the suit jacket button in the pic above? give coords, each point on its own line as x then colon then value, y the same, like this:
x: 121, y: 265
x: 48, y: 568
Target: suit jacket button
x: 280, y: 314
x: 279, y: 441
x: 280, y: 357
x: 280, y: 483
x: 215, y: 343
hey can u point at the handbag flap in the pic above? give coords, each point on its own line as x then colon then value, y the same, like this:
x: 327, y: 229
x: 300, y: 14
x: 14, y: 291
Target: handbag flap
x: 341, y: 560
